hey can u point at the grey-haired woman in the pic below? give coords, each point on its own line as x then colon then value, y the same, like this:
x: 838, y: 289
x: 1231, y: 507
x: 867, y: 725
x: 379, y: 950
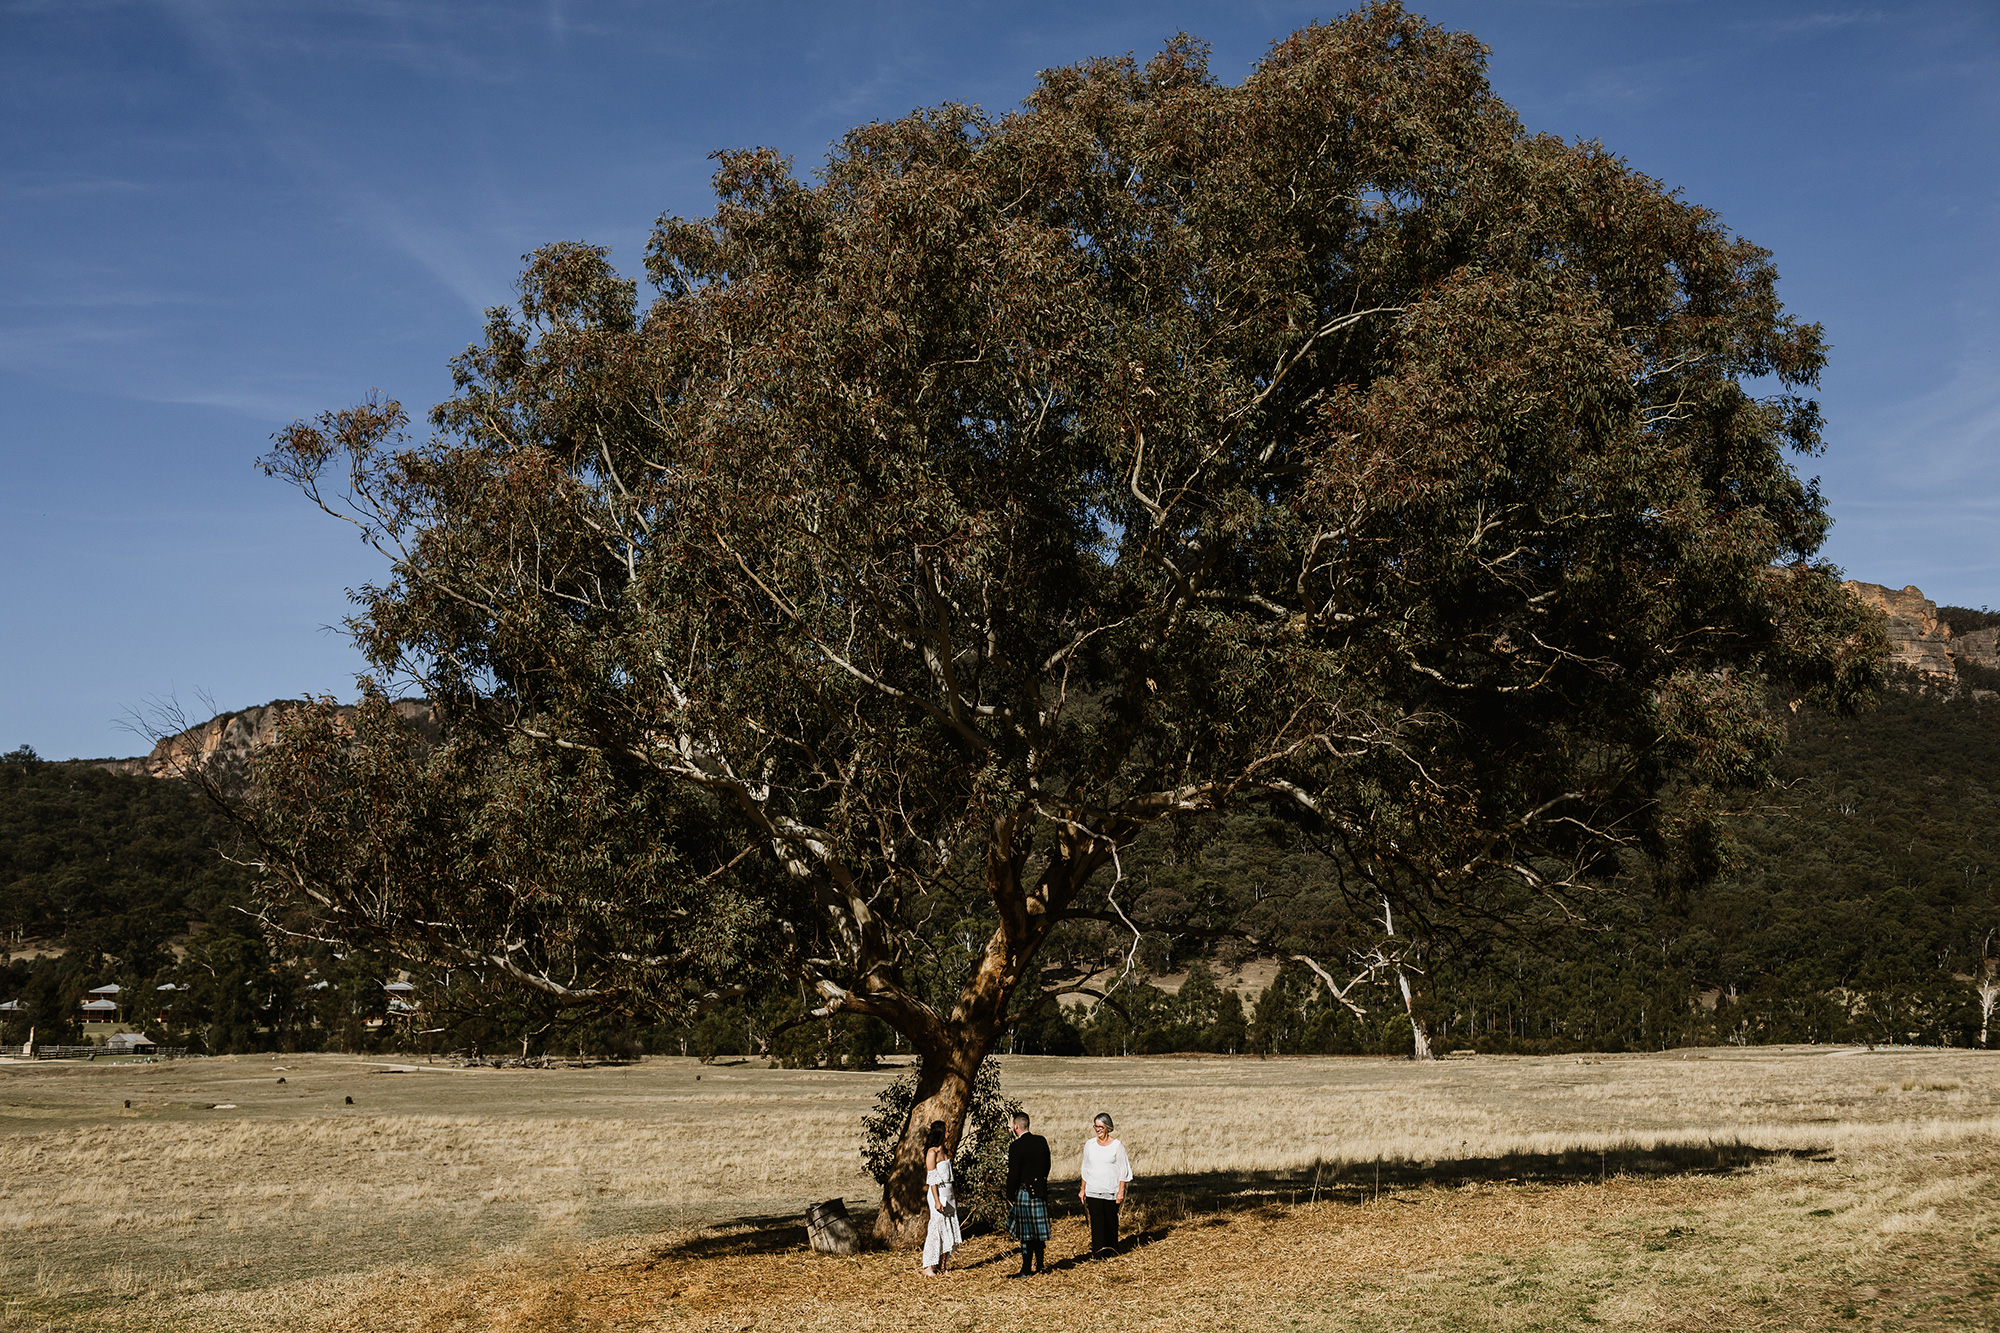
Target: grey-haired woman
x: 1106, y: 1172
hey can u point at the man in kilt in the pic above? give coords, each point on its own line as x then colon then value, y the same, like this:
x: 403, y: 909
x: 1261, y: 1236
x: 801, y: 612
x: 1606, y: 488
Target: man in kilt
x: 1028, y: 1195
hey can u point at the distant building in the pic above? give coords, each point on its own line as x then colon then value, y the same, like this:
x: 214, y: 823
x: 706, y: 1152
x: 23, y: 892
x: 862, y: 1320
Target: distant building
x: 131, y: 1043
x: 100, y: 1015
x: 164, y: 994
x: 402, y: 1004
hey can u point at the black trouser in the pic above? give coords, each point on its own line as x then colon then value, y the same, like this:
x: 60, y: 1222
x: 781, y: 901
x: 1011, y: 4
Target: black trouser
x: 1103, y: 1223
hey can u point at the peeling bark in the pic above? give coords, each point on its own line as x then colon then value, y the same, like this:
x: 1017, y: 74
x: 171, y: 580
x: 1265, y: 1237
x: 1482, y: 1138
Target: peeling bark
x: 944, y: 1092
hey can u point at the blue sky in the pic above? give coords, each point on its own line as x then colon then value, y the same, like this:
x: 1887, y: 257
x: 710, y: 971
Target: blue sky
x: 221, y: 216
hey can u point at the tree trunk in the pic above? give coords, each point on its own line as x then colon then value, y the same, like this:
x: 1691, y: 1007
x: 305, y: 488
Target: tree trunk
x: 1422, y: 1048
x: 944, y: 1092
x: 950, y: 1049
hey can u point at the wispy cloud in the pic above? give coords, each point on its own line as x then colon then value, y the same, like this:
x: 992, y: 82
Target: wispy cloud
x: 439, y: 248
x: 260, y: 402
x: 152, y: 368
x: 1941, y: 439
x: 53, y: 344
x: 62, y: 189
x: 1626, y: 88
x: 1803, y: 24
x: 450, y: 252
x: 1918, y: 498
x: 85, y: 299
x: 1640, y: 84
x: 483, y: 44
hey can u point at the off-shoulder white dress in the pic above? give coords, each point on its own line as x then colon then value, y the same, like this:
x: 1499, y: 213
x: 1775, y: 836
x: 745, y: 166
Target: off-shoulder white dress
x: 942, y: 1237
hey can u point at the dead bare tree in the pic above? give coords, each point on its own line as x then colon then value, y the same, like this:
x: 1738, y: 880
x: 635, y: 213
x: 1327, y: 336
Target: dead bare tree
x: 1987, y: 983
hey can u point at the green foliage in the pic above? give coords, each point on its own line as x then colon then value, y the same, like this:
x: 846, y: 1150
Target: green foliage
x: 1965, y: 620
x: 979, y: 1166
x: 538, y: 866
x: 1326, y: 446
x: 1047, y: 1031
x: 838, y: 1041
x: 114, y: 869
x: 1856, y: 903
x: 1295, y: 1016
x: 1147, y: 1020
x: 1876, y: 883
x: 103, y: 863
x: 718, y: 1035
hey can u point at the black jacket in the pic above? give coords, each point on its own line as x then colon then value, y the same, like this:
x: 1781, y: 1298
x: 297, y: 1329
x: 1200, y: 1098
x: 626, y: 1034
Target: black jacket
x: 1028, y: 1165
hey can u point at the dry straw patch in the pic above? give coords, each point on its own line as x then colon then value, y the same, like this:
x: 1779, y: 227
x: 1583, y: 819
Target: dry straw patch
x: 598, y: 1199
x: 1791, y: 1244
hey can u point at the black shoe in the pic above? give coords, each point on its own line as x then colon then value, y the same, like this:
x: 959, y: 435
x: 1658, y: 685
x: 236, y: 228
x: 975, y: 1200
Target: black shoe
x: 1023, y: 1273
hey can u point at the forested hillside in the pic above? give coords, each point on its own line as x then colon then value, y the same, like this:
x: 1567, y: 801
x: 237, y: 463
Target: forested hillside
x: 1880, y: 880
x: 105, y: 864
x: 1860, y: 904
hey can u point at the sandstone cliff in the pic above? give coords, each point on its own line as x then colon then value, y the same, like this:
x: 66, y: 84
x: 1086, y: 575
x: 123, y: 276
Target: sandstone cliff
x: 1922, y: 642
x: 225, y: 742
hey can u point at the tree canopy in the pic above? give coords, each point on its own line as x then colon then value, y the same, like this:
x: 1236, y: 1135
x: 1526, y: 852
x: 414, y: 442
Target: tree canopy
x: 1325, y: 443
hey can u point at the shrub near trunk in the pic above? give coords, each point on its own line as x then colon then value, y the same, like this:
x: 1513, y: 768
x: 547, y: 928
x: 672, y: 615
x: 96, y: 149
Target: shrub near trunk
x: 979, y: 1166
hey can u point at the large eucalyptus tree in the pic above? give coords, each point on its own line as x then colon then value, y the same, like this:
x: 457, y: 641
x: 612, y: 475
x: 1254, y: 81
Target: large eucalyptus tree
x: 1325, y: 441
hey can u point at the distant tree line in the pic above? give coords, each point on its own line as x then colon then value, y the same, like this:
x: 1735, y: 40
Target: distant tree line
x: 1965, y: 620
x: 1860, y: 905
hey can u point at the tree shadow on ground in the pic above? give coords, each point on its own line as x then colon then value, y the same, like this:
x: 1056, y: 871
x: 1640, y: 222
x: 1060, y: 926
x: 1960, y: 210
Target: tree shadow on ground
x: 1160, y: 1205
x: 1356, y: 1182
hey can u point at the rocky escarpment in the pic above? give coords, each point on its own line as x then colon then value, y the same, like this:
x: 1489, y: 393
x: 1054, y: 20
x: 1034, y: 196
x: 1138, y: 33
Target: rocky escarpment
x: 225, y: 743
x: 1920, y: 640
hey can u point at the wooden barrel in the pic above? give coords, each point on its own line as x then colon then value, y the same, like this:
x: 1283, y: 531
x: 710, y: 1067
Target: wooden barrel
x: 830, y: 1230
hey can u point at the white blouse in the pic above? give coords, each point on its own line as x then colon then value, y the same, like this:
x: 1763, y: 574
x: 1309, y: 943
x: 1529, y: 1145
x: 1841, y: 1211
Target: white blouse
x: 1104, y: 1168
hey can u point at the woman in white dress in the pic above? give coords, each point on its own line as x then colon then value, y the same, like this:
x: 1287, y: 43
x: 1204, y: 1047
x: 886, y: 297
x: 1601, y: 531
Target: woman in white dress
x: 942, y: 1236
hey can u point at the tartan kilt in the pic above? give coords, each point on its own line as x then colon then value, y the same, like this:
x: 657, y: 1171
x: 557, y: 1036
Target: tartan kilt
x: 1028, y: 1218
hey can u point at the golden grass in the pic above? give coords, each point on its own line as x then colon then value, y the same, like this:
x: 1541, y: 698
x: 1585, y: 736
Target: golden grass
x: 602, y: 1198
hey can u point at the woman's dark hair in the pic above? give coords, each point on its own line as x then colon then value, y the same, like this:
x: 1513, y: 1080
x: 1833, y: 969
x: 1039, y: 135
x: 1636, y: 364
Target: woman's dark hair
x: 1105, y: 1116
x: 934, y: 1137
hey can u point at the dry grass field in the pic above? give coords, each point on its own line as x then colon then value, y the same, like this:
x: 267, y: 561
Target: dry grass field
x: 1789, y: 1188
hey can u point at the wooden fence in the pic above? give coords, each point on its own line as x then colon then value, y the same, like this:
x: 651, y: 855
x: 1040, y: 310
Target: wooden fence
x: 42, y: 1052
